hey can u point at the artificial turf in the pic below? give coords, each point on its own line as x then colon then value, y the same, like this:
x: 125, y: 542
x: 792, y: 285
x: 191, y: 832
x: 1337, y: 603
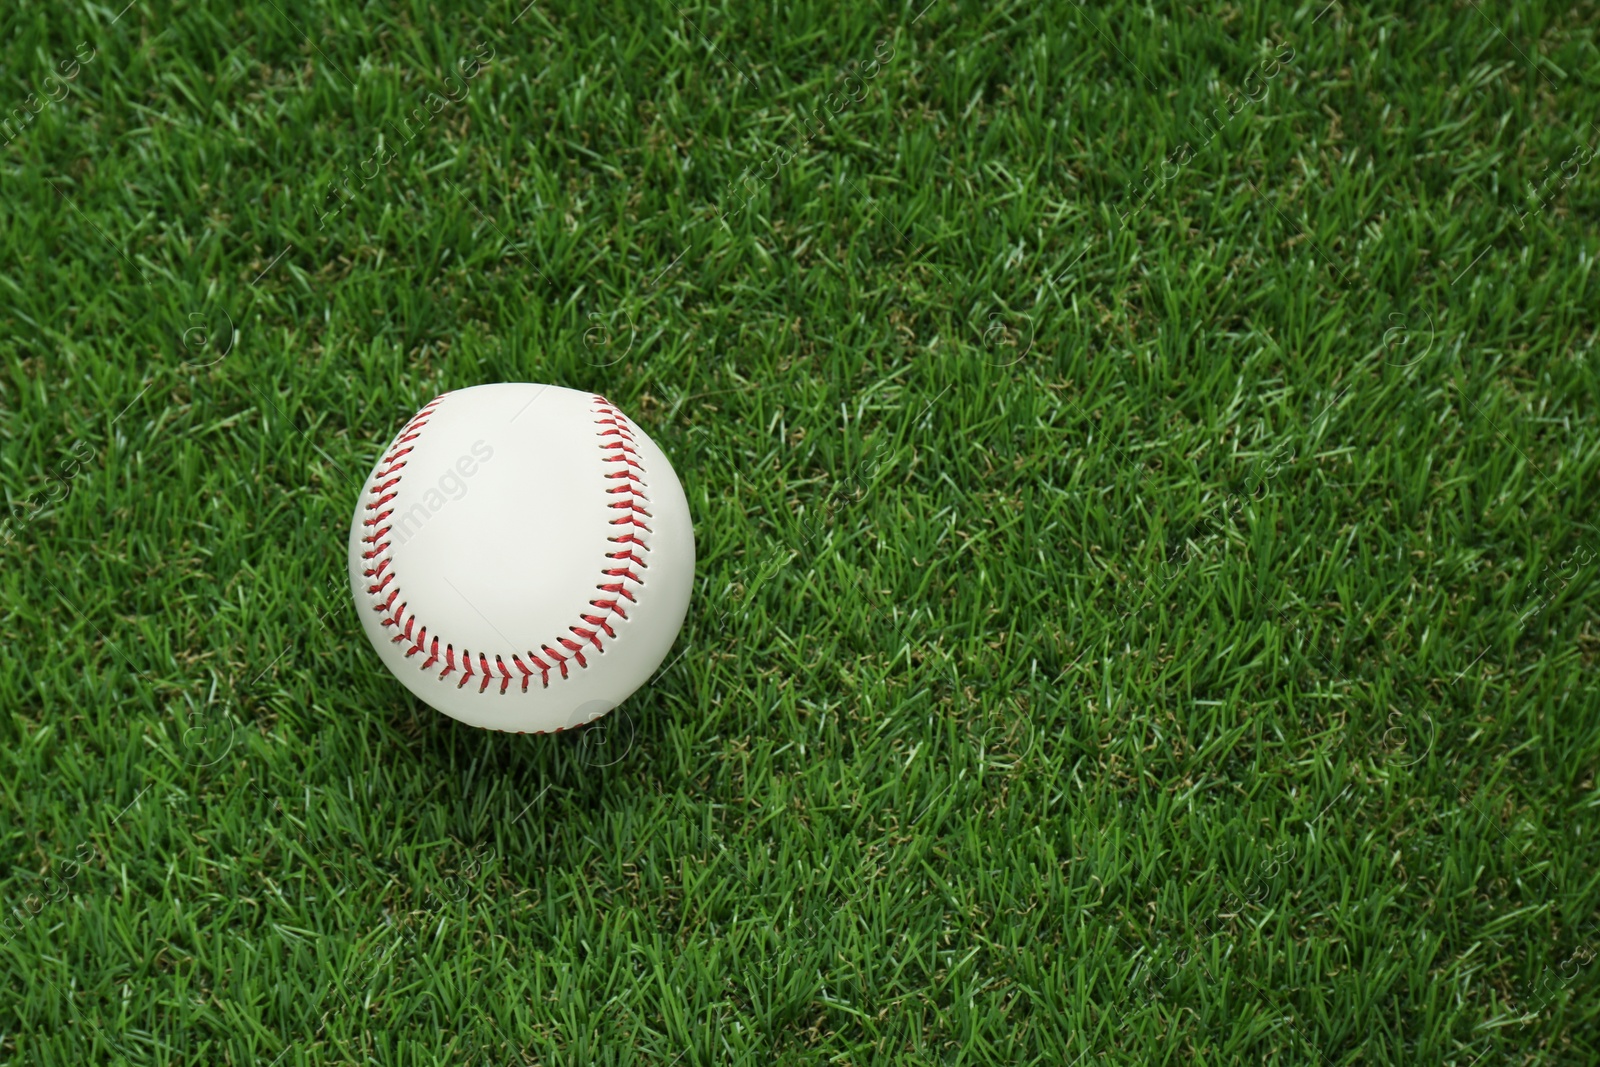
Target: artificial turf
x: 1143, y: 461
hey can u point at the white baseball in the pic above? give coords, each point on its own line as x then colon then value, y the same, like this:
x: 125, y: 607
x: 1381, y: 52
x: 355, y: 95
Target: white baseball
x: 521, y: 556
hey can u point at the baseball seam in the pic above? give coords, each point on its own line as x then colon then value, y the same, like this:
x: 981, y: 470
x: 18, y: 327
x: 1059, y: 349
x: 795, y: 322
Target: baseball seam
x: 620, y: 454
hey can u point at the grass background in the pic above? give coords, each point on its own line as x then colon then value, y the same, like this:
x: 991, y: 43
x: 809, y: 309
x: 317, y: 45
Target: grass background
x: 1146, y: 611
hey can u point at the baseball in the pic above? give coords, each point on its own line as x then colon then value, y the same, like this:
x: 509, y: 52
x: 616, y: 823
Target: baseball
x: 521, y: 556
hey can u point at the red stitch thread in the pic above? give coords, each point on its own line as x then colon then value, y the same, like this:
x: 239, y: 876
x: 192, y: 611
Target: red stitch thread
x: 616, y: 442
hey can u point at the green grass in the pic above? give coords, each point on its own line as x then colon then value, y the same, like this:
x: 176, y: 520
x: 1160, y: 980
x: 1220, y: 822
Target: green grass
x: 1146, y: 608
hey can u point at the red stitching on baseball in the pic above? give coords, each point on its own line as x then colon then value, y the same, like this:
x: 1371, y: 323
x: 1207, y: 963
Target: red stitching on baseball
x: 617, y: 447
